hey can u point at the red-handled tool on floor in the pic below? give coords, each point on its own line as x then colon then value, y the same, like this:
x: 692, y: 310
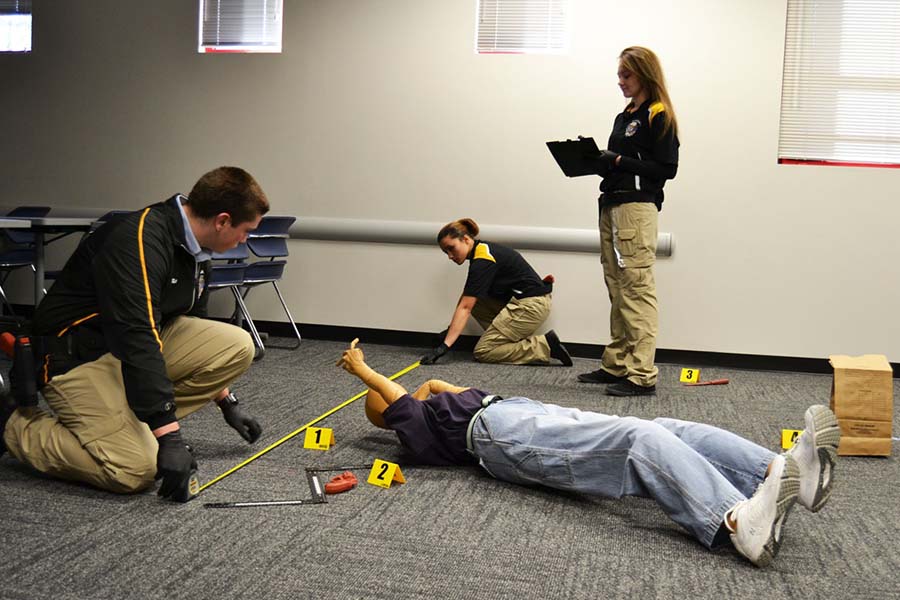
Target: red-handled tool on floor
x: 710, y: 382
x: 339, y: 484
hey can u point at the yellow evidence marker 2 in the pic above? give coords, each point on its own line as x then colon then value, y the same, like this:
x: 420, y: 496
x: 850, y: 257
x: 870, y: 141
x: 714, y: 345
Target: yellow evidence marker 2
x: 318, y: 438
x: 789, y: 437
x: 690, y: 375
x: 384, y: 473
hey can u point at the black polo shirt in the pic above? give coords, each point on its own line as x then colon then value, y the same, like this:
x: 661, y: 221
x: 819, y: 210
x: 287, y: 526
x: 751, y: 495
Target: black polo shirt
x: 433, y: 431
x: 499, y: 272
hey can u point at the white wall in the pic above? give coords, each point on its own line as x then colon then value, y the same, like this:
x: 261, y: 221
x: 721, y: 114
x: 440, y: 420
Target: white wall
x: 382, y: 110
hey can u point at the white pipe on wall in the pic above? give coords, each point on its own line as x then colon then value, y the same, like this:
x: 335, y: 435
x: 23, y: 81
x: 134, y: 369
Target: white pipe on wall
x: 416, y: 232
x: 555, y: 239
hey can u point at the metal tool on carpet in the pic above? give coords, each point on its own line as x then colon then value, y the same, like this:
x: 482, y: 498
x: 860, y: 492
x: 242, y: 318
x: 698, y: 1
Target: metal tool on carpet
x: 300, y: 430
x: 316, y: 490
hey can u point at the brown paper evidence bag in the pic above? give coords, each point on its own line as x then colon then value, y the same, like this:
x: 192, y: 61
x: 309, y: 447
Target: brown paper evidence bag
x: 862, y: 400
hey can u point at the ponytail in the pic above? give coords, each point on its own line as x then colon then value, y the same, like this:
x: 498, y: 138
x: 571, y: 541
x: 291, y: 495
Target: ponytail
x: 459, y: 228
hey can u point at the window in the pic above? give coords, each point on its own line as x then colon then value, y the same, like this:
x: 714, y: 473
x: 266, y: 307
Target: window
x: 522, y: 27
x: 15, y: 25
x: 240, y: 26
x: 840, y: 100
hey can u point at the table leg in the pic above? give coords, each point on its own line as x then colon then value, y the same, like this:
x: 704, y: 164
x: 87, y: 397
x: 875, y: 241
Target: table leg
x: 38, y: 267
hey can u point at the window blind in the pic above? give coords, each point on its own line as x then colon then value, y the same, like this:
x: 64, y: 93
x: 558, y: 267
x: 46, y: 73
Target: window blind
x: 522, y: 26
x: 240, y: 25
x: 15, y: 25
x: 840, y: 101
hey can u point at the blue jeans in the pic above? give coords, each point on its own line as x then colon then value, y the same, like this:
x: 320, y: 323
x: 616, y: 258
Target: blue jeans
x: 695, y: 472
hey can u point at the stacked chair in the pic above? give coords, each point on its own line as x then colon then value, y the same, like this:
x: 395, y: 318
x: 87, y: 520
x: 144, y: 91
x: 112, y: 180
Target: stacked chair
x: 19, y: 251
x: 233, y: 270
x: 227, y: 272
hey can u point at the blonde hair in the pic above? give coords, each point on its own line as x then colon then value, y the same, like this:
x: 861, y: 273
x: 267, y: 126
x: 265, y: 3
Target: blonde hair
x: 645, y: 64
x: 459, y: 228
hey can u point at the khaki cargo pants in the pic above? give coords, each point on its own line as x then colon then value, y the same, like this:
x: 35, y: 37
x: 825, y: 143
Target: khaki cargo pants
x: 94, y: 437
x: 509, y: 330
x: 628, y: 235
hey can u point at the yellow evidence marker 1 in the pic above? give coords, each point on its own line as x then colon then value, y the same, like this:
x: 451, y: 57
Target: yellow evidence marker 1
x: 789, y: 438
x: 690, y: 375
x: 384, y: 473
x: 318, y: 438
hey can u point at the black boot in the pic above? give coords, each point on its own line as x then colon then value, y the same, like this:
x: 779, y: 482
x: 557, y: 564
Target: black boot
x: 557, y: 350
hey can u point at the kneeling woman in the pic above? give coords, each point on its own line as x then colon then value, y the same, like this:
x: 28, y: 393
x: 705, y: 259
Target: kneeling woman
x: 505, y: 295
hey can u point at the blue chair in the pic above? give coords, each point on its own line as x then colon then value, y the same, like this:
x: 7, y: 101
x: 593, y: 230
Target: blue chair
x: 269, y: 241
x: 19, y: 250
x: 227, y: 271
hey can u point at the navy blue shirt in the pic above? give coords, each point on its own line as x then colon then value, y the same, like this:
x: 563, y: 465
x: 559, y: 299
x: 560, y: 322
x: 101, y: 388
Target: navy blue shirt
x: 433, y: 431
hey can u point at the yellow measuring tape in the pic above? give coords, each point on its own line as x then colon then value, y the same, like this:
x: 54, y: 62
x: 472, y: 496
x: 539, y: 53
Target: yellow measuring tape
x: 301, y: 429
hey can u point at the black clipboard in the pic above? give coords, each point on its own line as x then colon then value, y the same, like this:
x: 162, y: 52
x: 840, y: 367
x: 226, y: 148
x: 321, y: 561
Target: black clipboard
x: 576, y: 157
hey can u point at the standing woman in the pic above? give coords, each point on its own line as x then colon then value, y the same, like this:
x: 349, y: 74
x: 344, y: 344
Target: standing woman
x: 505, y: 295
x: 642, y: 154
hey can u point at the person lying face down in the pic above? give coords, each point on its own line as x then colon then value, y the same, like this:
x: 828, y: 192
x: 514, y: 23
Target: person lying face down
x: 708, y: 480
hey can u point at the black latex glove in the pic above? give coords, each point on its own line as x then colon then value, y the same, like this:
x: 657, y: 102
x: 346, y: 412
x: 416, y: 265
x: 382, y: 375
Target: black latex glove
x: 174, y: 464
x: 602, y: 162
x: 431, y: 357
x: 609, y: 157
x: 243, y: 423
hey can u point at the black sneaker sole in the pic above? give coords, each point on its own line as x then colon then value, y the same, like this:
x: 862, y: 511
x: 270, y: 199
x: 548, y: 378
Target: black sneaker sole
x: 632, y: 390
x: 602, y: 378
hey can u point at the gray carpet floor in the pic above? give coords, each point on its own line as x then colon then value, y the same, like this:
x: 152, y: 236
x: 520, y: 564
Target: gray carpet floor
x: 448, y: 532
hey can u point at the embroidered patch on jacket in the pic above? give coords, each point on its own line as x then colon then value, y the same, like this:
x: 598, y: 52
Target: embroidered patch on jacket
x: 632, y: 128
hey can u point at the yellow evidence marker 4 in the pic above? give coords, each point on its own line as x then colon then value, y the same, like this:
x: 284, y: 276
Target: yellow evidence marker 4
x: 789, y: 438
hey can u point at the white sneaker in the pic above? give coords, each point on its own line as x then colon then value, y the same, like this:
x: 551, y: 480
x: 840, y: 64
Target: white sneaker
x: 760, y: 518
x: 816, y: 452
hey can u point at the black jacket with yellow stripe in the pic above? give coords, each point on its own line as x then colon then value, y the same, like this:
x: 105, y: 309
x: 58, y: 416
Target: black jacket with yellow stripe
x: 116, y: 293
x: 649, y: 153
